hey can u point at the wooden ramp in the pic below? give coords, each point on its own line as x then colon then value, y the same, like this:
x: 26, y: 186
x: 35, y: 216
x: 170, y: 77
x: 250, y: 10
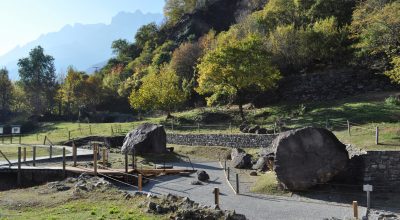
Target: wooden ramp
x: 121, y: 172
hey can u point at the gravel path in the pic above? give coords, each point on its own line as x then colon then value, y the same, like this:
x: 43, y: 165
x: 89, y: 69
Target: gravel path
x: 254, y: 207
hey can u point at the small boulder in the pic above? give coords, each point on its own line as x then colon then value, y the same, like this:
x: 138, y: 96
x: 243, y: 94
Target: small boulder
x: 202, y: 176
x: 242, y: 161
x: 253, y: 129
x: 261, y: 131
x: 253, y: 173
x: 196, y: 182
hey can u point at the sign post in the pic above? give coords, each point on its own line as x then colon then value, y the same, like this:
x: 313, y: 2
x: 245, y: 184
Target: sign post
x: 368, y: 188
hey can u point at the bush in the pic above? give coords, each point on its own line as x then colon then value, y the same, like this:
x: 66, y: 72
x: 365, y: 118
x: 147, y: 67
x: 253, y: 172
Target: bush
x: 392, y: 100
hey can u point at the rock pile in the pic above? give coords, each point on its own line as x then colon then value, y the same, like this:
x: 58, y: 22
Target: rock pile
x: 182, y: 208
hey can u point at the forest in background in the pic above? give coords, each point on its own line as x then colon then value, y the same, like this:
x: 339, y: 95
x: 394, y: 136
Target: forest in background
x: 210, y: 52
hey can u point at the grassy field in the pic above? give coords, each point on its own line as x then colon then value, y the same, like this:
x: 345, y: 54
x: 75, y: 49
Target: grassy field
x: 43, y: 203
x: 365, y: 112
x: 11, y: 152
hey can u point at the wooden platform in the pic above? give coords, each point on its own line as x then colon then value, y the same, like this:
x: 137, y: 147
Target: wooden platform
x: 121, y: 172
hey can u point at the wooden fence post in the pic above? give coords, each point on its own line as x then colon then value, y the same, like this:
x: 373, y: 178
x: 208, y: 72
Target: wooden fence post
x: 19, y: 167
x: 24, y: 155
x: 140, y: 182
x: 11, y: 139
x: 44, y: 141
x: 95, y: 159
x: 69, y: 135
x: 377, y: 135
x: 90, y: 129
x: 225, y: 165
x: 34, y: 156
x: 51, y: 151
x: 237, y: 183
x: 112, y: 131
x: 104, y: 156
x: 126, y: 161
x: 216, y: 196
x: 229, y: 170
x: 348, y: 127
x: 63, y: 162
x: 355, y: 209
x: 74, y: 152
x: 19, y: 139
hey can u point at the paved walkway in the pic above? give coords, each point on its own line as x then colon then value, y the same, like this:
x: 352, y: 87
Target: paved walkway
x: 254, y: 207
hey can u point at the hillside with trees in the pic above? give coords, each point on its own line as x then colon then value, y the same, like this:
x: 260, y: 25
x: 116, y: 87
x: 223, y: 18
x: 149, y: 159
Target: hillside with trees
x: 214, y: 52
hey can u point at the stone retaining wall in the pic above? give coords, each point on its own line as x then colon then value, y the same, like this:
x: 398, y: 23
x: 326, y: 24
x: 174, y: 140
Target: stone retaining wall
x: 382, y: 169
x: 226, y: 140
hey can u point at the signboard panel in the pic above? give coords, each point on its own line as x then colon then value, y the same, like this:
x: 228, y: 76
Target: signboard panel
x: 368, y: 188
x: 16, y: 130
x: 1, y: 130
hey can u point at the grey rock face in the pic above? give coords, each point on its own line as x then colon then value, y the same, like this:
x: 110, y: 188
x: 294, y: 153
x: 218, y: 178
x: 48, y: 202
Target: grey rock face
x: 147, y: 138
x: 308, y: 156
x: 235, y: 152
x: 262, y: 164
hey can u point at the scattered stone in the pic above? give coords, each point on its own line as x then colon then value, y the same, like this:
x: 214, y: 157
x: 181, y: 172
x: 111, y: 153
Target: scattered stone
x: 147, y: 138
x: 196, y: 182
x: 202, y: 176
x: 242, y: 161
x: 253, y: 173
x: 308, y: 156
x: 88, y: 183
x: 58, y: 186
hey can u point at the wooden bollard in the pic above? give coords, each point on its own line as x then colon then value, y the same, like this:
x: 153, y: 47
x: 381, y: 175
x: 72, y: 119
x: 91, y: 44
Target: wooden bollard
x: 225, y: 165
x: 51, y: 151
x: 126, y: 161
x: 34, y: 156
x: 95, y: 159
x: 140, y: 182
x: 63, y: 162
x: 24, y: 155
x: 377, y: 135
x: 19, y: 167
x: 355, y: 209
x: 104, y: 156
x: 237, y: 183
x: 228, y: 172
x: 348, y: 127
x: 74, y: 152
x: 216, y: 196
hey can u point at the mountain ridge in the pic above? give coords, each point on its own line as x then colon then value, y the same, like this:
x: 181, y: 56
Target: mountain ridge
x: 81, y: 45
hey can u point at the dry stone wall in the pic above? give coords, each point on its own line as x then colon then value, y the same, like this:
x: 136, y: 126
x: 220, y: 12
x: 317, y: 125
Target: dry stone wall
x: 225, y: 140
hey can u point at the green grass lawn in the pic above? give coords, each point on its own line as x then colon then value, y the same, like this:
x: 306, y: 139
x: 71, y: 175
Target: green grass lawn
x: 11, y: 152
x: 367, y: 111
x: 40, y: 203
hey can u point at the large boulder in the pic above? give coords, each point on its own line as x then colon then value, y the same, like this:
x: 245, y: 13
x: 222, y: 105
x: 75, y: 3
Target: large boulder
x: 147, y: 138
x: 261, y: 164
x: 242, y: 161
x: 235, y: 152
x: 308, y: 156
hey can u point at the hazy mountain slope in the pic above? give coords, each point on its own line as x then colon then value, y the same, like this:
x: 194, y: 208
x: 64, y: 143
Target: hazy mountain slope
x: 81, y: 45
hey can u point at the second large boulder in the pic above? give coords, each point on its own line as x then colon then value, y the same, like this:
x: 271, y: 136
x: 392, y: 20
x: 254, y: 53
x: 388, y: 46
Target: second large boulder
x: 147, y: 138
x: 309, y: 156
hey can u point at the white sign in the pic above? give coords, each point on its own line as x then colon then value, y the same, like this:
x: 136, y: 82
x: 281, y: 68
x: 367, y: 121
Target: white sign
x: 368, y: 188
x: 1, y: 130
x: 16, y: 130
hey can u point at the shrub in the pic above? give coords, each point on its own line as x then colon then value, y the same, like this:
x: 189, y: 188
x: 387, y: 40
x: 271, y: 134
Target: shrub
x: 392, y: 100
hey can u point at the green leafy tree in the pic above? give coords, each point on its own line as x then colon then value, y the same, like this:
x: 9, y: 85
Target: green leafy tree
x: 394, y: 73
x: 37, y: 73
x: 147, y: 34
x: 159, y: 91
x: 376, y: 27
x: 236, y: 67
x: 6, y: 91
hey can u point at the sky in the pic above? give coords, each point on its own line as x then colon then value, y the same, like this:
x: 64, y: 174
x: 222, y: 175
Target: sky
x: 22, y: 21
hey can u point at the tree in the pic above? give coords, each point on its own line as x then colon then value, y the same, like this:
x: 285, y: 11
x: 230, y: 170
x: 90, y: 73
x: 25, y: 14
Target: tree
x: 376, y: 27
x: 175, y: 9
x: 37, y: 73
x: 235, y: 67
x: 147, y: 34
x: 6, y: 91
x: 159, y: 91
x: 394, y: 73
